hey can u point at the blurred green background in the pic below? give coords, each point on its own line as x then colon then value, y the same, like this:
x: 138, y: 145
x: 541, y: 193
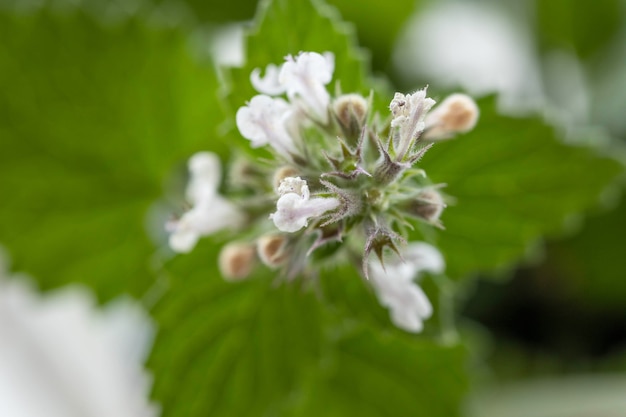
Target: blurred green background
x: 92, y: 127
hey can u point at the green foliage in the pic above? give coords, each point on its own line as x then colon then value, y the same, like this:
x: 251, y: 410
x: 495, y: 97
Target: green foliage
x: 591, y: 263
x: 377, y: 27
x: 370, y: 375
x: 231, y: 349
x: 255, y: 348
x: 512, y: 181
x: 224, y: 12
x: 582, y: 26
x: 93, y: 119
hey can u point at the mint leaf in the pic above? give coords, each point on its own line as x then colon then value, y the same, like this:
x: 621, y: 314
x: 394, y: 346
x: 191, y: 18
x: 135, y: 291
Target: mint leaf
x: 581, y: 26
x: 377, y: 27
x: 374, y: 374
x: 94, y: 118
x: 284, y: 28
x: 513, y: 182
x: 591, y: 264
x: 257, y: 348
x: 231, y: 349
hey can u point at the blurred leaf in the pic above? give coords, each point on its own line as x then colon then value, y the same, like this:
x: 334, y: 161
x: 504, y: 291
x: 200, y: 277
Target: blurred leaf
x: 513, y: 182
x: 579, y: 25
x: 92, y: 121
x: 210, y: 12
x: 254, y: 348
x: 377, y: 24
x: 591, y: 263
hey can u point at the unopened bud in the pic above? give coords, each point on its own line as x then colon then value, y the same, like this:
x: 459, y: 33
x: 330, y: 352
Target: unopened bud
x: 350, y: 110
x: 282, y: 173
x: 236, y: 261
x: 244, y: 174
x: 428, y: 205
x: 458, y: 113
x: 272, y: 249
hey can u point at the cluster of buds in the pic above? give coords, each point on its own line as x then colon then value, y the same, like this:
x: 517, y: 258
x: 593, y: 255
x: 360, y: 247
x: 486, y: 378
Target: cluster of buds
x: 337, y: 184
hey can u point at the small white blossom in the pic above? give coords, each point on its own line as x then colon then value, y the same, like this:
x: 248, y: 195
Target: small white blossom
x: 294, y: 185
x: 269, y: 84
x: 395, y: 288
x: 295, y: 208
x: 304, y: 78
x: 409, y: 112
x: 210, y: 212
x: 264, y: 121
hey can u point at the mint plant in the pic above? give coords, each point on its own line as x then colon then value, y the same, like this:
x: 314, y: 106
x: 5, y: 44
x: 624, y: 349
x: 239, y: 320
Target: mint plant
x: 98, y: 116
x: 341, y: 176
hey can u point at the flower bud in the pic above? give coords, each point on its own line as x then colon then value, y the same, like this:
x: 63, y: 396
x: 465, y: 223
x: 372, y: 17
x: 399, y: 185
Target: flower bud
x: 428, y: 205
x: 350, y: 110
x: 244, y: 173
x: 236, y: 261
x: 458, y: 113
x: 272, y: 249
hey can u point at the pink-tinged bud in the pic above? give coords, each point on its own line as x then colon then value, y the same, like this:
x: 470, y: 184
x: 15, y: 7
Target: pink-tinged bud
x: 350, y: 110
x: 272, y: 250
x: 428, y: 205
x: 458, y: 113
x: 236, y: 261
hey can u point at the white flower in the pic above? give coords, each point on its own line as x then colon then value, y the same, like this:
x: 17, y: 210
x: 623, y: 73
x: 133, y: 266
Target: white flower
x: 408, y: 113
x: 295, y: 207
x: 294, y: 185
x: 304, y: 78
x: 210, y: 212
x: 269, y: 84
x: 61, y: 356
x: 264, y: 121
x: 396, y: 290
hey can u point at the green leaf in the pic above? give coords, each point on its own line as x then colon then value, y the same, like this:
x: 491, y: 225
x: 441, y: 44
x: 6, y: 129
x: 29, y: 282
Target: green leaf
x: 590, y: 264
x: 585, y: 27
x: 369, y: 374
x: 231, y: 349
x: 93, y: 119
x: 207, y: 11
x: 257, y: 348
x: 377, y: 27
x: 284, y: 28
x: 513, y: 182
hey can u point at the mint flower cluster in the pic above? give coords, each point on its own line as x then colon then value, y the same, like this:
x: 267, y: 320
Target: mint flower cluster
x: 340, y: 183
